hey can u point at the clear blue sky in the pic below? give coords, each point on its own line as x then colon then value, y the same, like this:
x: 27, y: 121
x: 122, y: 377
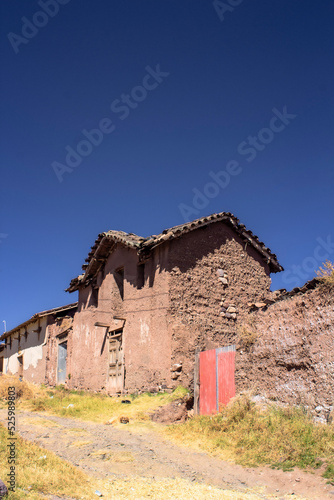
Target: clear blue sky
x: 198, y: 88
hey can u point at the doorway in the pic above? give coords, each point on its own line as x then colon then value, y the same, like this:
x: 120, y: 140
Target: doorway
x: 216, y: 379
x: 20, y: 361
x: 115, y: 381
x: 62, y: 357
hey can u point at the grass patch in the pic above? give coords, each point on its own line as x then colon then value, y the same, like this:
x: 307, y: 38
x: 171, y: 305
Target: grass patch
x: 282, y: 438
x: 84, y: 405
x: 326, y: 273
x: 38, y: 478
x: 23, y: 389
x: 98, y: 407
x: 36, y: 475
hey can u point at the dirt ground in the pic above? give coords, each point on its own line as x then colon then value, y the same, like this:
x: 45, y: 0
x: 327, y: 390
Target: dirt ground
x: 105, y: 451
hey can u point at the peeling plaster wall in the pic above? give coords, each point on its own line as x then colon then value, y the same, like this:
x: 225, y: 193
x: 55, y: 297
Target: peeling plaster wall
x: 146, y: 346
x: 178, y: 309
x: 58, y: 331
x: 32, y: 350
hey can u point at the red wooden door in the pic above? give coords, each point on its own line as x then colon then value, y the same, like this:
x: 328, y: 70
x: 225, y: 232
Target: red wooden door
x: 207, y: 380
x: 216, y: 378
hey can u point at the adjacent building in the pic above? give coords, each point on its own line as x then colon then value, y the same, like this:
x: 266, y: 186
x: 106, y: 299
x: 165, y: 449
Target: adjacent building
x: 148, y: 306
x: 27, y: 349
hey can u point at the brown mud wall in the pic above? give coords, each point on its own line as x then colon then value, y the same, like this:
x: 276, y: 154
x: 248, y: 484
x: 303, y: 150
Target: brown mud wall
x: 213, y: 278
x: 286, y: 351
x: 145, y: 344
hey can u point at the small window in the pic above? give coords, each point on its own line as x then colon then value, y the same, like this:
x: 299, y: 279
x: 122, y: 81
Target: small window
x: 94, y: 297
x: 140, y: 276
x: 119, y: 278
x: 20, y: 362
x: 1, y: 365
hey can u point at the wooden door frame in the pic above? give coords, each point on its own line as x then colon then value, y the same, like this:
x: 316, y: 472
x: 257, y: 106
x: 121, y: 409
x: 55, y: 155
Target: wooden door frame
x: 61, y: 341
x: 116, y: 334
x: 197, y: 375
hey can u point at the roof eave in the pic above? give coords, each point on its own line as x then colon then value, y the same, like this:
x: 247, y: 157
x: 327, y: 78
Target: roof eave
x: 37, y: 316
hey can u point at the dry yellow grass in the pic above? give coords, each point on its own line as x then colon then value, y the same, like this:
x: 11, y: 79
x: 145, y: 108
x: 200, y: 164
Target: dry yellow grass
x: 23, y: 389
x: 281, y: 437
x: 41, y: 474
x: 98, y: 407
x: 36, y: 475
x: 326, y: 273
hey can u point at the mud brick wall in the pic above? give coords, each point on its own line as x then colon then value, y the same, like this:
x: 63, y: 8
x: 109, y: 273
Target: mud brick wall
x: 56, y: 328
x: 145, y: 343
x: 292, y: 357
x: 213, y: 276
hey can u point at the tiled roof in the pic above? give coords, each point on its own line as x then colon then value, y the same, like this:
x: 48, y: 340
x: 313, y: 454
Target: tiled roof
x: 105, y: 243
x: 283, y: 294
x: 41, y: 314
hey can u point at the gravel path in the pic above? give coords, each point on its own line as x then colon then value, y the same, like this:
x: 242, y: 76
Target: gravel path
x: 102, y: 450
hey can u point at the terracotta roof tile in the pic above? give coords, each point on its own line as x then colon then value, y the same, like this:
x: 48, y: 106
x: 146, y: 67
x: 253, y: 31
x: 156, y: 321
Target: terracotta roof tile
x: 54, y: 311
x: 105, y: 243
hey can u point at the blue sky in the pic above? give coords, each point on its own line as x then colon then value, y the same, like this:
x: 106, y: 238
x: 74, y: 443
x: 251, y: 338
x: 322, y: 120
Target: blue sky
x: 185, y: 94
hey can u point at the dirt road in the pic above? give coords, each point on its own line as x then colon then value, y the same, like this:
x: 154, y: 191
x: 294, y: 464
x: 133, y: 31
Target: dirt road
x: 102, y: 450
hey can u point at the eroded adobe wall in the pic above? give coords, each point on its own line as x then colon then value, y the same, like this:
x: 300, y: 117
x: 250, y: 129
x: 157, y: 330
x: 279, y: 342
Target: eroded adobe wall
x: 214, y: 275
x: 146, y: 347
x: 58, y: 330
x: 30, y: 347
x: 286, y: 352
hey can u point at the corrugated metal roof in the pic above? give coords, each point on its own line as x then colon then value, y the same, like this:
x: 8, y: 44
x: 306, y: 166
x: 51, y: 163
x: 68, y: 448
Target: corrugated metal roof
x: 105, y: 243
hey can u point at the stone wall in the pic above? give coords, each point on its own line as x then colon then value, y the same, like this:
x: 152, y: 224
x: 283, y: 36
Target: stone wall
x: 196, y: 294
x: 214, y: 275
x: 286, y: 350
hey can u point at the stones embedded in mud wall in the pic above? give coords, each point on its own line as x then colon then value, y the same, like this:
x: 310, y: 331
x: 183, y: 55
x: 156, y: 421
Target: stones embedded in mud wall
x: 223, y: 277
x: 227, y: 310
x: 176, y: 370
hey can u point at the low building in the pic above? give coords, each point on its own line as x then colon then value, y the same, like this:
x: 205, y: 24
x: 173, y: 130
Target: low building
x: 189, y: 306
x: 146, y: 304
x: 29, y: 347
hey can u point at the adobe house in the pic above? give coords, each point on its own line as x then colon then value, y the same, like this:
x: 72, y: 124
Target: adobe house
x: 28, y: 347
x: 146, y: 305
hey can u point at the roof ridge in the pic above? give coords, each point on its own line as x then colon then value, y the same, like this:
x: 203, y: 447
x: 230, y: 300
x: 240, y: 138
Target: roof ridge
x: 105, y: 243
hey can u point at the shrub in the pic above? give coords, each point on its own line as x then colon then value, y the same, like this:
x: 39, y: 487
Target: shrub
x: 22, y: 388
x: 326, y: 273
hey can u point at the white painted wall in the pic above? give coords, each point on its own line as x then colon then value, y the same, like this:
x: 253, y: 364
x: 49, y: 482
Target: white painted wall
x: 31, y: 349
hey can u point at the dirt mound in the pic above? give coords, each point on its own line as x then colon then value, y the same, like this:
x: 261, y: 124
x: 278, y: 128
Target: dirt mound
x: 175, y: 412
